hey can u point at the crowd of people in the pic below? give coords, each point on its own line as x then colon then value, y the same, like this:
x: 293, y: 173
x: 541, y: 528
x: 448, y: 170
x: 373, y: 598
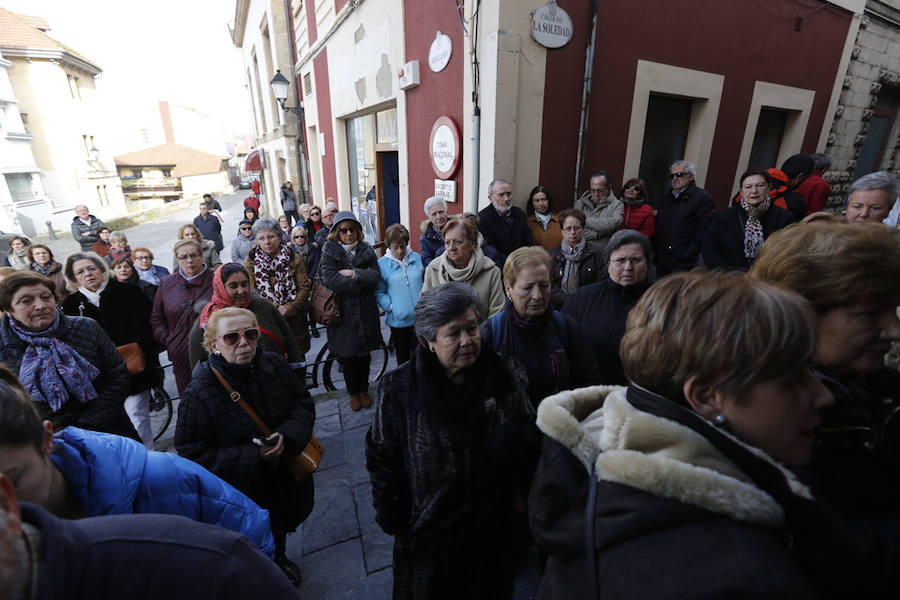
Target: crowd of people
x: 575, y: 391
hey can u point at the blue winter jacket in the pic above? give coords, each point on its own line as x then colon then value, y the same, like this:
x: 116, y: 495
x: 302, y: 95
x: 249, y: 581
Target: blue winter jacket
x: 112, y: 475
x: 399, y: 288
x: 431, y: 244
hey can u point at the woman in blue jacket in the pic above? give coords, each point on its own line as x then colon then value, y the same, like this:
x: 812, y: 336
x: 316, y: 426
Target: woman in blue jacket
x: 402, y: 274
x: 80, y: 473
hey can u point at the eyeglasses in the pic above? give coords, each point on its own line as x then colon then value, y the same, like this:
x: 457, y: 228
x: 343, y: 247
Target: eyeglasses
x: 233, y: 338
x: 346, y: 230
x: 315, y: 214
x: 193, y: 256
x: 678, y: 174
x: 142, y: 257
x: 632, y: 260
x: 299, y: 237
x: 635, y: 188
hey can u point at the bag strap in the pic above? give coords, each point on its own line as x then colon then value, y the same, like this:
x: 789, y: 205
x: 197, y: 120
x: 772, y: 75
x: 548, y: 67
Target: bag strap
x: 236, y: 397
x: 274, y: 339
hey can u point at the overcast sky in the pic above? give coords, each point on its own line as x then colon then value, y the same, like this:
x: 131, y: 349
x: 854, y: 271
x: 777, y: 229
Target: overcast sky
x: 175, y: 50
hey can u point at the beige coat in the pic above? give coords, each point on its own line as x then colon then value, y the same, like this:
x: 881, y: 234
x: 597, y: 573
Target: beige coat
x: 481, y: 273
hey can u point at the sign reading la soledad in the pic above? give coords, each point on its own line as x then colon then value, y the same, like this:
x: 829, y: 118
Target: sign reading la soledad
x: 551, y: 26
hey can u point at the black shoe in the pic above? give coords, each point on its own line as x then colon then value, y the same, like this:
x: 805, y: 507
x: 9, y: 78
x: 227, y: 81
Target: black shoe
x: 290, y: 569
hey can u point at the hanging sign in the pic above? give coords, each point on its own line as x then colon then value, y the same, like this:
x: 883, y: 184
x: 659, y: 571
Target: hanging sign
x: 440, y: 51
x: 445, y: 147
x: 551, y: 26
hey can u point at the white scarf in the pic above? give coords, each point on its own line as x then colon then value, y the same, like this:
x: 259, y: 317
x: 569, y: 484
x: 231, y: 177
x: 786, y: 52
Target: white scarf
x: 93, y: 297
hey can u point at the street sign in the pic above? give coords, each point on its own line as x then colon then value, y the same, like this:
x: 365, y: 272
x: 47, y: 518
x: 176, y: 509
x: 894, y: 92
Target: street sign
x: 440, y: 51
x: 445, y: 147
x: 446, y: 189
x: 551, y: 26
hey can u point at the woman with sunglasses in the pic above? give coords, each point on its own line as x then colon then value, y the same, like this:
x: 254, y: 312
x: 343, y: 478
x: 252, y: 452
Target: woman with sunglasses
x: 279, y: 276
x: 305, y: 247
x: 350, y: 268
x: 218, y: 434
x: 314, y: 222
x: 241, y: 245
x: 638, y: 214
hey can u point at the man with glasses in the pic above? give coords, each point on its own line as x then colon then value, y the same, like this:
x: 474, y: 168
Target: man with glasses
x: 604, y: 212
x: 328, y: 213
x: 681, y: 220
x: 504, y: 226
x: 244, y: 241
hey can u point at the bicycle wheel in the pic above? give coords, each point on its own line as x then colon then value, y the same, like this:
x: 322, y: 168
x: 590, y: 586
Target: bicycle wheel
x: 377, y: 367
x: 326, y: 371
x: 161, y: 412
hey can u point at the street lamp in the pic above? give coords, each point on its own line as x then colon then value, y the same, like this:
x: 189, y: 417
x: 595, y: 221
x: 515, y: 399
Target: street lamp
x: 280, y: 86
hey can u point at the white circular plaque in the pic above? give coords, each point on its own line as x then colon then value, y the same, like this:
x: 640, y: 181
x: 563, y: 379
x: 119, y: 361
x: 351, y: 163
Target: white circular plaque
x: 551, y: 26
x: 445, y: 147
x: 439, y: 54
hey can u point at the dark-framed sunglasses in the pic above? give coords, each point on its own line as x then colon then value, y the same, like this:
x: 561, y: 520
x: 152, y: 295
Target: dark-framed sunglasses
x: 232, y: 339
x: 346, y: 230
x: 632, y: 187
x: 678, y: 174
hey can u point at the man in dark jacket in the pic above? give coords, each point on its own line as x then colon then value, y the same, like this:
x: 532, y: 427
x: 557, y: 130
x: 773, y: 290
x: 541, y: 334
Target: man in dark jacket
x: 127, y: 556
x: 209, y: 226
x: 684, y: 212
x: 86, y: 228
x: 331, y: 209
x: 504, y: 226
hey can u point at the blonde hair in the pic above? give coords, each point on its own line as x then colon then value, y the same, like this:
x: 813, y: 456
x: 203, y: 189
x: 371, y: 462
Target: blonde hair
x: 727, y: 330
x: 182, y: 243
x: 211, y: 332
x: 528, y: 256
x: 185, y: 226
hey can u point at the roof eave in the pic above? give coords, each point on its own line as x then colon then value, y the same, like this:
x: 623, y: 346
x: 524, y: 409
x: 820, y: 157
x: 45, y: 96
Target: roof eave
x: 52, y: 54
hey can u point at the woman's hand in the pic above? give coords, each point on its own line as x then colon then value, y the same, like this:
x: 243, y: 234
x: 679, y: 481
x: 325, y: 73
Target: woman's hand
x: 272, y: 453
x: 282, y: 310
x: 346, y: 272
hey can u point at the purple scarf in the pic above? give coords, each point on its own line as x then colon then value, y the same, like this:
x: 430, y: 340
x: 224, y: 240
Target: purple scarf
x: 51, y: 370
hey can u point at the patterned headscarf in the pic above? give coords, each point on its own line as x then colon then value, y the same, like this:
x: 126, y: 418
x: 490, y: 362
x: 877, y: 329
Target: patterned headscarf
x: 220, y: 297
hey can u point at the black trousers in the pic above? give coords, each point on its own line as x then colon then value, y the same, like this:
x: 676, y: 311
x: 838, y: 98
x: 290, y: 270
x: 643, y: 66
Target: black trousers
x: 356, y: 373
x: 404, y: 341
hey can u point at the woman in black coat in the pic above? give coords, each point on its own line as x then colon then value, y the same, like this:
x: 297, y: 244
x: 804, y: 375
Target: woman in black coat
x: 576, y: 263
x: 350, y: 268
x: 450, y: 453
x: 123, y: 310
x: 218, y: 434
x: 735, y: 235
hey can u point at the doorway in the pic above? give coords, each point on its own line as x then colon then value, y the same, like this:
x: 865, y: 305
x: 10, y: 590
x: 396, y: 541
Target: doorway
x: 665, y: 136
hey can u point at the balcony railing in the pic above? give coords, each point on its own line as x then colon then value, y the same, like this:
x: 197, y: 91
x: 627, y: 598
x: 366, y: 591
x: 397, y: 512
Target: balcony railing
x: 152, y: 185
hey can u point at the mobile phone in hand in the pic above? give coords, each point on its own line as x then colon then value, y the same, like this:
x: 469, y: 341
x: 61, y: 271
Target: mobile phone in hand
x: 265, y: 442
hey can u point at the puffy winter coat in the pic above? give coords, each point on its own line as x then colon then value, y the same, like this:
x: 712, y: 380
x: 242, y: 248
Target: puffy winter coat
x: 639, y: 216
x: 399, y: 288
x: 431, y: 244
x: 603, y: 218
x: 112, y: 475
x: 92, y: 229
x: 359, y: 331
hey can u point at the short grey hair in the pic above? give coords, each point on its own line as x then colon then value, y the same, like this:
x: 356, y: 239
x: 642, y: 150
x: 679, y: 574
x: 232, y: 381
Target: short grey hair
x: 879, y: 180
x: 69, y: 268
x: 822, y: 160
x: 266, y: 223
x: 440, y: 305
x: 690, y: 167
x: 118, y: 235
x: 432, y: 202
x: 623, y: 237
x: 495, y: 182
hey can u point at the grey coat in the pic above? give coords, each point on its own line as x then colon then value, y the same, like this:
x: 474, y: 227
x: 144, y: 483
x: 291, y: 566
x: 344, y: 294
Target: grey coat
x: 93, y: 230
x: 359, y: 331
x: 241, y: 246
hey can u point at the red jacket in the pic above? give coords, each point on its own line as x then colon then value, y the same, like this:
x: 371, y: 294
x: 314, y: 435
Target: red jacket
x: 640, y: 218
x: 814, y: 191
x: 253, y: 202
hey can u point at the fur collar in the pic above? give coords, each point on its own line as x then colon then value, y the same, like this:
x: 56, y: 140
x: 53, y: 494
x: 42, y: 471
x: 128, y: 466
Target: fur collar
x: 657, y: 455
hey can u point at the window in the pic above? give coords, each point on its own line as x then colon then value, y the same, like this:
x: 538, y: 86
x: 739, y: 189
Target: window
x: 167, y: 173
x: 881, y: 124
x: 25, y: 122
x: 88, y: 144
x: 102, y: 197
x: 386, y: 126
x: 74, y: 87
x: 20, y: 186
x: 307, y: 85
x: 363, y: 176
x: 665, y: 137
x: 767, y: 141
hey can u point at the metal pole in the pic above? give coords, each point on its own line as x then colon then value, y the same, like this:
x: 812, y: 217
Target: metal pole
x: 476, y: 157
x: 585, y: 101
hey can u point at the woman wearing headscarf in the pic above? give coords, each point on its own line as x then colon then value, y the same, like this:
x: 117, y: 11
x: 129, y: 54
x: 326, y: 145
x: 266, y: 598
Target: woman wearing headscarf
x: 231, y: 287
x: 735, y: 235
x: 576, y: 263
x: 17, y: 257
x: 42, y: 262
x: 69, y: 365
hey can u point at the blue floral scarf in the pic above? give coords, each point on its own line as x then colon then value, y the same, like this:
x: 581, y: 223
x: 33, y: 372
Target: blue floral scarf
x: 51, y: 370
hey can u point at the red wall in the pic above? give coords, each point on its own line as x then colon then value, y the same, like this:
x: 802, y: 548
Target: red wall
x: 323, y: 102
x: 438, y: 94
x: 312, y: 32
x: 738, y: 39
x: 338, y: 5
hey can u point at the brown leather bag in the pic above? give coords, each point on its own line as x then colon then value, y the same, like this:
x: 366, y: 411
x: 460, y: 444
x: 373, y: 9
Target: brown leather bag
x: 324, y: 305
x: 133, y: 357
x: 301, y: 465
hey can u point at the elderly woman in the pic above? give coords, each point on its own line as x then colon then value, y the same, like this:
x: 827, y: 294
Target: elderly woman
x: 398, y: 291
x: 735, y: 235
x: 231, y: 287
x: 542, y: 221
x: 123, y: 311
x: 146, y: 270
x: 556, y: 355
x: 601, y: 308
x: 218, y: 433
x: 118, y: 246
x: 279, y: 276
x: 450, y: 453
x: 638, y: 214
x: 431, y: 244
x: 174, y: 308
x: 576, y: 263
x: 464, y: 262
x: 81, y: 473
x: 69, y: 365
x: 851, y: 275
x: 871, y: 198
x: 243, y: 242
x: 687, y: 460
x: 122, y: 270
x: 303, y: 210
x: 17, y: 257
x: 301, y: 244
x: 102, y: 246
x: 211, y: 256
x: 41, y: 258
x: 284, y: 225
x: 350, y: 268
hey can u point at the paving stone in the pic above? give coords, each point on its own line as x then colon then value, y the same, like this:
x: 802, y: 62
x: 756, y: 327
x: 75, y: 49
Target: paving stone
x: 326, y: 405
x: 355, y: 448
x: 327, y: 425
x: 333, y: 518
x: 336, y: 572
x: 378, y: 547
x: 351, y: 419
x: 335, y: 454
x: 380, y: 585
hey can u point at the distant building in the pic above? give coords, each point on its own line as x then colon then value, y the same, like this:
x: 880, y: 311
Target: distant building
x: 59, y: 108
x: 153, y: 176
x: 21, y: 184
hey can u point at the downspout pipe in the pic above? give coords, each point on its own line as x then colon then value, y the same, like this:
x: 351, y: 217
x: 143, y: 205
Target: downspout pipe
x: 585, y: 100
x: 476, y: 156
x: 302, y: 162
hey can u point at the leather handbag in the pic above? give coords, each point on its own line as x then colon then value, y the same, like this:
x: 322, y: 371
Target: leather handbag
x: 300, y: 465
x: 324, y: 305
x: 133, y: 357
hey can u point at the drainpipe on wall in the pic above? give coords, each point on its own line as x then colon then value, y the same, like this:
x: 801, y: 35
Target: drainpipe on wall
x: 585, y: 99
x: 302, y: 161
x: 476, y: 156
